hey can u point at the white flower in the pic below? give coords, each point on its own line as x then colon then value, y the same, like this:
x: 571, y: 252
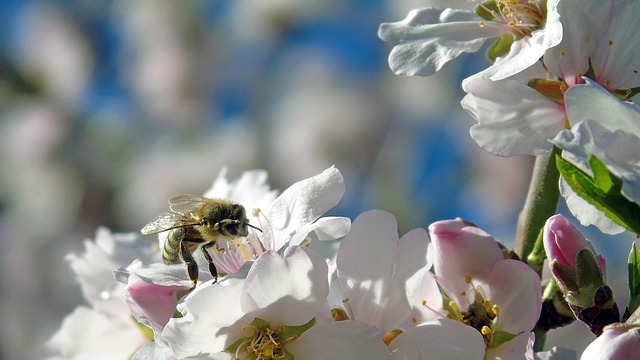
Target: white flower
x: 288, y: 220
x: 106, y: 329
x: 517, y: 119
x: 429, y: 38
x: 609, y: 129
x: 381, y: 275
x: 272, y: 313
x: 494, y: 295
x: 513, y: 119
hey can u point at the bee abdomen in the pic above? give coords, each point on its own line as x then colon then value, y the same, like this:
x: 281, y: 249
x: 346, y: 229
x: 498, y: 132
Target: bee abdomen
x: 172, y: 246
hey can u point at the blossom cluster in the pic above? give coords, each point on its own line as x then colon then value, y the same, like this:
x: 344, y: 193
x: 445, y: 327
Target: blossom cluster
x: 562, y: 74
x: 380, y: 297
x: 561, y: 87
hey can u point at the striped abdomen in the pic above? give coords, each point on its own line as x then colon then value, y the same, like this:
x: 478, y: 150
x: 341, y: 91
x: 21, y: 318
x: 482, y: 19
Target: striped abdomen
x: 172, y: 253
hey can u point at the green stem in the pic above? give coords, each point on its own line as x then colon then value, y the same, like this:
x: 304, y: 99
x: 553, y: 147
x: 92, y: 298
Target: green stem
x: 541, y: 202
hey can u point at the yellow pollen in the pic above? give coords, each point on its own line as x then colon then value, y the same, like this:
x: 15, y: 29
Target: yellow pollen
x: 256, y: 212
x: 496, y: 309
x: 414, y: 320
x: 468, y: 279
x: 482, y: 24
x: 391, y: 335
x: 424, y: 302
x: 485, y: 330
x: 610, y: 42
x: 561, y: 53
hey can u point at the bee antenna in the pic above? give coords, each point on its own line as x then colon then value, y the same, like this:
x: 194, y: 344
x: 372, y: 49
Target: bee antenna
x: 257, y: 228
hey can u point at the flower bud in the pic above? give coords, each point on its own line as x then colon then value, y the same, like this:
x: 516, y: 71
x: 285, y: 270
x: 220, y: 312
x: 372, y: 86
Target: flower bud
x: 572, y: 259
x: 579, y: 273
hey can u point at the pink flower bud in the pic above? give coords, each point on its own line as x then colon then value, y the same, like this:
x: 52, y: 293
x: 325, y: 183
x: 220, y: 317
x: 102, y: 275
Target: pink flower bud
x: 563, y: 241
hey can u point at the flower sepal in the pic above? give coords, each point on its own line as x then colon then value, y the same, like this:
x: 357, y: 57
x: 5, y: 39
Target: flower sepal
x: 551, y: 89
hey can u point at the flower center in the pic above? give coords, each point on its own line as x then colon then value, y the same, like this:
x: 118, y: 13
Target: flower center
x: 479, y: 316
x: 264, y: 342
x: 265, y: 345
x: 522, y: 17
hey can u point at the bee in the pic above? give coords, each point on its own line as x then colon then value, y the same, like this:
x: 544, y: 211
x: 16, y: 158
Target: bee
x: 197, y: 221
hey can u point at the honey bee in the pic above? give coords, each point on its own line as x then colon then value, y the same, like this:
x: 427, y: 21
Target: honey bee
x: 197, y: 221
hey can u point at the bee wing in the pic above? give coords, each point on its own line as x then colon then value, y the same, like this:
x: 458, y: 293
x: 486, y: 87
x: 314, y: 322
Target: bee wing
x: 168, y: 221
x: 186, y: 203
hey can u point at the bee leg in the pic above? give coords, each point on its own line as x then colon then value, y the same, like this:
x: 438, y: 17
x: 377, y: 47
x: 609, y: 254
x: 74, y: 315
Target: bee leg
x: 212, y: 266
x: 192, y: 265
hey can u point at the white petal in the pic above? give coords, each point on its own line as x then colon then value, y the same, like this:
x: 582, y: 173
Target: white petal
x: 155, y: 351
x: 557, y: 353
x: 617, y: 61
x: 591, y: 101
x: 339, y: 340
x: 156, y: 273
x: 429, y: 38
x: 515, y: 288
x: 252, y: 189
x: 514, y: 349
x: 325, y: 228
x: 294, y: 286
x: 209, y: 324
x: 374, y: 266
x: 581, y: 21
x: 301, y: 204
x: 85, y: 333
x: 513, y: 119
x: 619, y: 151
x: 331, y: 228
x: 441, y: 339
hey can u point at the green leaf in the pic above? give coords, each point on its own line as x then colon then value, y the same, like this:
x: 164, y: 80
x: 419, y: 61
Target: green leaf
x: 501, y: 46
x: 633, y: 265
x: 602, y: 178
x: 602, y: 191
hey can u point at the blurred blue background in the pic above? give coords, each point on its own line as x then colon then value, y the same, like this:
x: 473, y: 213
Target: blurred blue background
x: 108, y: 108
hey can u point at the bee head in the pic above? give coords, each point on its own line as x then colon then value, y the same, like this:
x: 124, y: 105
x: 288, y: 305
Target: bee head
x: 235, y: 223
